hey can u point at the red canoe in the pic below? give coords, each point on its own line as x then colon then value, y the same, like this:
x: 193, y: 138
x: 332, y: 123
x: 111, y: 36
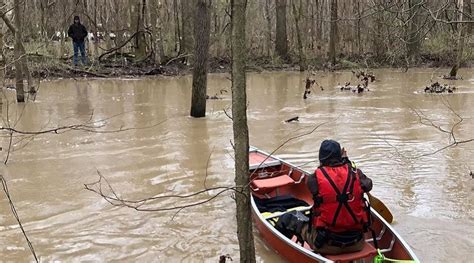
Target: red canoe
x: 272, y: 177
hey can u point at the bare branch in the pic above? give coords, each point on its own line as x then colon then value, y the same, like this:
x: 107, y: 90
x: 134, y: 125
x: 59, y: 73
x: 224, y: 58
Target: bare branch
x: 15, y: 214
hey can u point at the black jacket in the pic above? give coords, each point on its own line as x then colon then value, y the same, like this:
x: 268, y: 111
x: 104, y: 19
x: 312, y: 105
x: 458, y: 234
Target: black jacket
x: 77, y: 32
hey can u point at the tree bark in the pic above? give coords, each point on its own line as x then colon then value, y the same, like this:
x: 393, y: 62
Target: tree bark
x: 241, y: 136
x: 202, y: 30
x: 460, y: 44
x: 413, y: 41
x: 137, y: 15
x: 156, y: 25
x: 19, y: 56
x: 359, y: 42
x: 268, y: 19
x: 297, y: 16
x: 186, y: 37
x: 468, y: 7
x: 177, y: 31
x: 281, y: 38
x: 333, y: 33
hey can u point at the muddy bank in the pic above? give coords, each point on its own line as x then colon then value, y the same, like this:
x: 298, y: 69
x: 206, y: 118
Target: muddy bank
x: 43, y: 67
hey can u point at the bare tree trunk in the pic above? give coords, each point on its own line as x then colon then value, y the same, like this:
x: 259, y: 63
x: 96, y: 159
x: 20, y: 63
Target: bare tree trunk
x: 137, y: 15
x: 241, y: 135
x: 187, y: 8
x: 460, y: 44
x: 312, y: 26
x: 359, y: 42
x: 43, y: 7
x: 297, y: 16
x: 319, y: 28
x: 156, y: 24
x: 19, y: 77
x: 413, y: 41
x: 468, y: 7
x: 177, y: 31
x: 333, y: 33
x: 202, y: 30
x: 268, y: 18
x: 281, y: 38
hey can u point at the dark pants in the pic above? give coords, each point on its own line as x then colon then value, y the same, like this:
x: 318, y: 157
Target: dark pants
x: 79, y: 46
x: 309, y: 235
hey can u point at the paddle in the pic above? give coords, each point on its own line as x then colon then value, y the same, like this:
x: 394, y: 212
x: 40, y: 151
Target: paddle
x: 380, y: 207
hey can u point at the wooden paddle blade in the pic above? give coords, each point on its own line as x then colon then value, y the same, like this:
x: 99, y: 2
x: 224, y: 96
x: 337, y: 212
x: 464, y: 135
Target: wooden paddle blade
x: 380, y: 207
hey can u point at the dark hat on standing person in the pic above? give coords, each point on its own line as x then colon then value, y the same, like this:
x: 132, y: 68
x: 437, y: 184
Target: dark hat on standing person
x: 77, y: 18
x: 330, y: 150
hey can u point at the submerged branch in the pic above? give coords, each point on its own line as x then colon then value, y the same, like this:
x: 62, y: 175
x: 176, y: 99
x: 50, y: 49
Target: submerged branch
x: 113, y: 198
x: 104, y: 189
x: 425, y: 120
x: 15, y: 214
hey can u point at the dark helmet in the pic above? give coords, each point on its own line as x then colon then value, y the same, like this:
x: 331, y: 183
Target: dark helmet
x: 330, y: 150
x: 76, y: 18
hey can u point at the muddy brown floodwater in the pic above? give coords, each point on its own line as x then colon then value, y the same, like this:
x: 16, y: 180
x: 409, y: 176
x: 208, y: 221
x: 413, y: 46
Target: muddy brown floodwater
x: 431, y: 197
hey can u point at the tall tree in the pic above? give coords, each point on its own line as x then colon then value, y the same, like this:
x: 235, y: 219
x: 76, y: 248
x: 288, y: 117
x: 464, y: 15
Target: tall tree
x: 460, y: 45
x: 186, y: 38
x: 333, y: 33
x: 202, y: 31
x: 413, y: 39
x: 268, y: 19
x: 137, y: 16
x: 297, y: 15
x: 19, y: 77
x: 281, y: 38
x: 157, y: 28
x: 241, y: 133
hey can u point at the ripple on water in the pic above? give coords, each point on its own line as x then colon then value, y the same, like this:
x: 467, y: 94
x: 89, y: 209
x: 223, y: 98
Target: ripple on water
x: 431, y: 197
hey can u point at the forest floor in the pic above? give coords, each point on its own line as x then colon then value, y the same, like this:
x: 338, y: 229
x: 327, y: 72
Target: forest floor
x: 51, y: 68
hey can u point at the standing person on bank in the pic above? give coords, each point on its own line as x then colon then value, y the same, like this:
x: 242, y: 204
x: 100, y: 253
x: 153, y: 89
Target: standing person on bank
x: 78, y: 33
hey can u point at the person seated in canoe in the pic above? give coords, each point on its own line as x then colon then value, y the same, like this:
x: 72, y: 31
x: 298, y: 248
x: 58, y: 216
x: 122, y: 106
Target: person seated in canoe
x: 340, y: 214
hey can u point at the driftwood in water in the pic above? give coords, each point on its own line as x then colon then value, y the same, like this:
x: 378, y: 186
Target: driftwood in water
x: 215, y: 97
x: 293, y: 119
x: 359, y: 88
x: 438, y: 88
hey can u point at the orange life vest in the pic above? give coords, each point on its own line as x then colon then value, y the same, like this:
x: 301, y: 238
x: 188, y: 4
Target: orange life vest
x: 340, y: 204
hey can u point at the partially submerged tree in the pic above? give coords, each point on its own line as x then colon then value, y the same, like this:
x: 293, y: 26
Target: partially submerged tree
x: 241, y: 133
x: 461, y: 31
x: 21, y: 65
x: 202, y: 25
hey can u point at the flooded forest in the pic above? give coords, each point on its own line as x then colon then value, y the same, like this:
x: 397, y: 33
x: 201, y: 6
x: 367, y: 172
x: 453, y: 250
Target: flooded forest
x: 164, y: 130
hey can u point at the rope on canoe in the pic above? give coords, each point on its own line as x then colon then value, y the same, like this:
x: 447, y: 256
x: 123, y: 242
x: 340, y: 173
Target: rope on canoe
x: 380, y: 258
